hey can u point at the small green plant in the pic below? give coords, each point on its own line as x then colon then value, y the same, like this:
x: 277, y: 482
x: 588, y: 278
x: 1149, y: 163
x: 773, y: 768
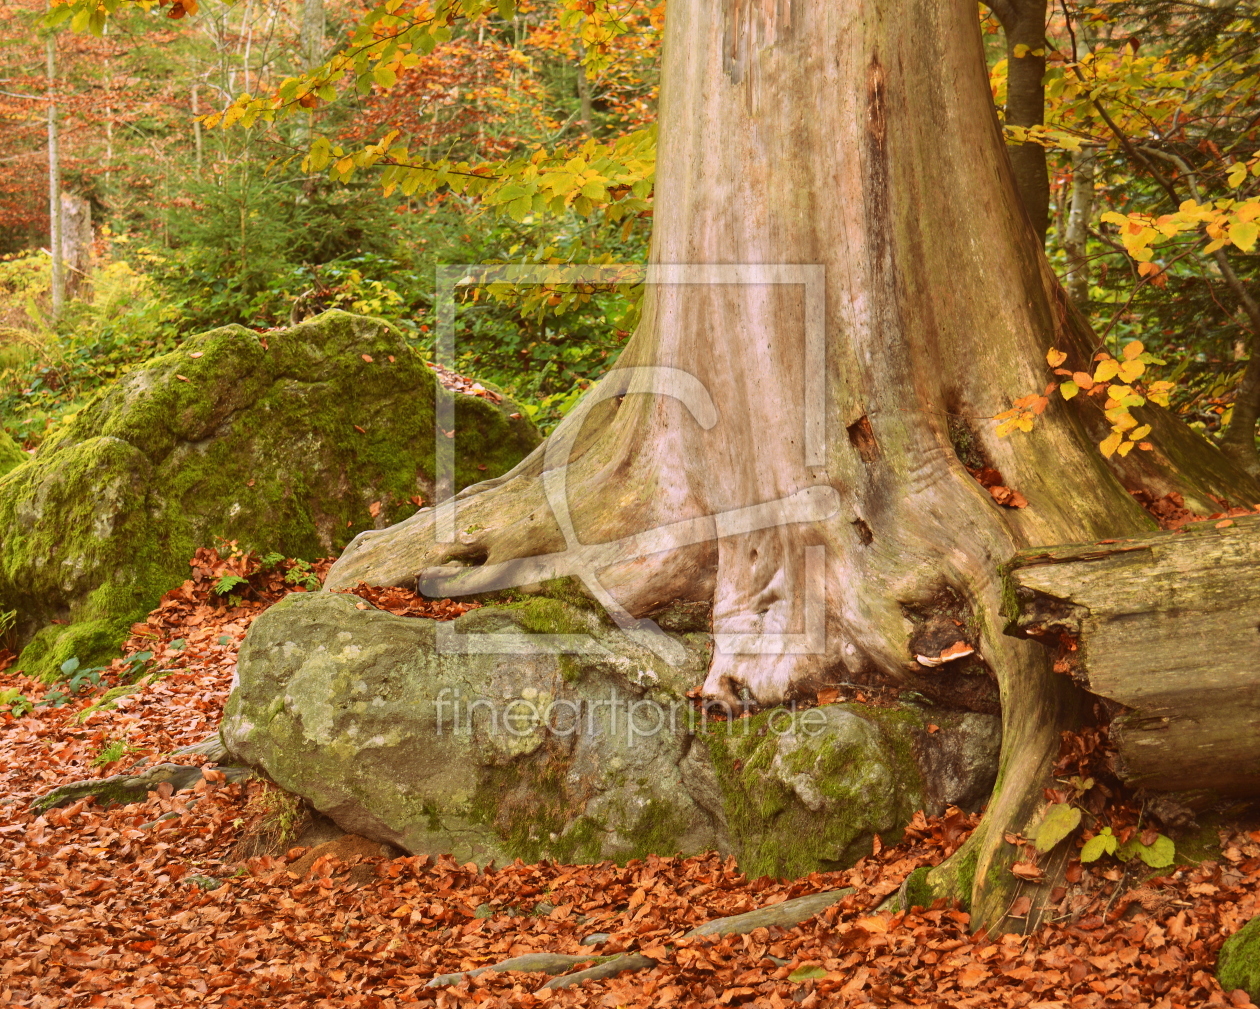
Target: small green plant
x: 115, y: 749
x: 204, y: 882
x: 1158, y: 854
x: 15, y: 702
x: 77, y: 678
x: 228, y: 583
x: 303, y: 575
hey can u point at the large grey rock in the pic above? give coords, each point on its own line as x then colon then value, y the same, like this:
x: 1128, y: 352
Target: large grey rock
x: 290, y: 441
x: 473, y: 749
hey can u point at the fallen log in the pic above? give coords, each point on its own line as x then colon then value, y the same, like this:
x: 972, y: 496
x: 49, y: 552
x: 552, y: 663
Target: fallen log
x: 1166, y: 626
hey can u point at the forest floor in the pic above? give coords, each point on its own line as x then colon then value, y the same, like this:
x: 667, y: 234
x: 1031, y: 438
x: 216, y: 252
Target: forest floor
x: 120, y: 908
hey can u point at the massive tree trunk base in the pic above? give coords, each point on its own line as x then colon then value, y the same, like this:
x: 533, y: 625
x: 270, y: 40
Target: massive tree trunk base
x: 802, y: 462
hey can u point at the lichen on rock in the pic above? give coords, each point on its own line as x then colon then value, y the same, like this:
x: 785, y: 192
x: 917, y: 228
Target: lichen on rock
x: 290, y: 441
x: 438, y: 738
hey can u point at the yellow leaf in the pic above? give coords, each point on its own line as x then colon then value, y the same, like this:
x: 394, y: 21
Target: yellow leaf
x: 1054, y: 357
x: 1138, y: 433
x: 1124, y: 448
x: 1132, y: 349
x: 1131, y: 370
x: 1069, y: 389
x: 1244, y: 235
x: 1107, y: 370
x: 1237, y: 175
x: 1109, y: 444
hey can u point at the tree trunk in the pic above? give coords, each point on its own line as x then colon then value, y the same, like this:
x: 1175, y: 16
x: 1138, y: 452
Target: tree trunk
x: 76, y: 244
x: 584, y: 94
x: 1076, y: 234
x: 796, y: 459
x: 1024, y: 24
x: 58, y: 282
x: 311, y: 42
x: 1164, y: 625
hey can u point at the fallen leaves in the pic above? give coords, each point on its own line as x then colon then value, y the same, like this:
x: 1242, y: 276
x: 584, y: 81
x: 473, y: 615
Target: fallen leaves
x: 405, y: 603
x: 991, y: 480
x: 463, y: 384
x: 120, y: 907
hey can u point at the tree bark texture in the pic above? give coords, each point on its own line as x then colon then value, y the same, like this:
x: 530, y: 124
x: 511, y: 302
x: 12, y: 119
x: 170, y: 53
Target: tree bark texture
x: 1166, y: 625
x: 1076, y: 234
x: 76, y: 244
x: 58, y: 282
x: 824, y: 134
x: 1024, y: 24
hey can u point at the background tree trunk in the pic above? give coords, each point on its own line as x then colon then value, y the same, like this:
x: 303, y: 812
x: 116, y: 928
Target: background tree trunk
x: 1076, y: 234
x: 76, y: 244
x: 58, y: 283
x: 822, y: 133
x: 1024, y: 24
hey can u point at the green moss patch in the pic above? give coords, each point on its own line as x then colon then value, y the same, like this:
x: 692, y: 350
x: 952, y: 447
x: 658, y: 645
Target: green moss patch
x: 1238, y: 965
x: 293, y: 442
x: 808, y: 791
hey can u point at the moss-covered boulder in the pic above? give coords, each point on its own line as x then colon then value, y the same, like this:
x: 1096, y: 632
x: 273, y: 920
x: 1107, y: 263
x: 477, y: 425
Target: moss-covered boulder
x: 439, y: 738
x: 11, y: 454
x: 809, y: 791
x: 1238, y: 964
x: 289, y: 441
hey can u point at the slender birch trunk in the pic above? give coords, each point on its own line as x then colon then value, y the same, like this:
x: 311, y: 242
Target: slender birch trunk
x: 1076, y: 234
x: 54, y: 181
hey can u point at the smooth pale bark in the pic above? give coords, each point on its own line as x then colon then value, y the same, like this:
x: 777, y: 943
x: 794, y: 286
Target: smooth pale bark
x: 825, y: 133
x: 76, y: 244
x: 1076, y: 234
x: 58, y: 282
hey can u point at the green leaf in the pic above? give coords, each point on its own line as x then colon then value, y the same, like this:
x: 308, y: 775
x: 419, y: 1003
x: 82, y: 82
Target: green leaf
x: 1100, y: 844
x: 807, y: 973
x: 227, y: 583
x: 507, y: 9
x: 1059, y: 820
x: 1069, y: 389
x: 1157, y: 855
x: 57, y: 15
x: 69, y: 666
